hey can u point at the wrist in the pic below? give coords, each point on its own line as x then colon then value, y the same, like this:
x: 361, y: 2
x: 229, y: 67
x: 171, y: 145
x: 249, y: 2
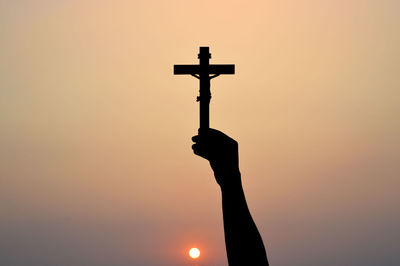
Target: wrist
x: 229, y: 180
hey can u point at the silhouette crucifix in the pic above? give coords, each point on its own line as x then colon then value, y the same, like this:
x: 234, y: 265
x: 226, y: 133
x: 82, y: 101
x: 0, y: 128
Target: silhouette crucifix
x: 204, y: 72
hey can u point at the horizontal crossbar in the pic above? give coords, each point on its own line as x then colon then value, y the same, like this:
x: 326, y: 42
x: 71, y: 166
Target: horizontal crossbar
x: 195, y: 69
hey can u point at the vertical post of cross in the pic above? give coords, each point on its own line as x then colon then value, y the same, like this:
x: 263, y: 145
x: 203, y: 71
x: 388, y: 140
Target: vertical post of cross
x: 205, y: 93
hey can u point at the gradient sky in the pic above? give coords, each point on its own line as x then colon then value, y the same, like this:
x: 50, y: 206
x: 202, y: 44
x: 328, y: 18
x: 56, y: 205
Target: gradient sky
x: 96, y: 166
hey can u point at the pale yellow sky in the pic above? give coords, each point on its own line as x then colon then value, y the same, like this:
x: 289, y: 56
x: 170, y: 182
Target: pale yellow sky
x: 96, y: 166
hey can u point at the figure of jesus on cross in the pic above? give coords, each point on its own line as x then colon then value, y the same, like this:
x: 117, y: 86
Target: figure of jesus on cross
x: 204, y: 72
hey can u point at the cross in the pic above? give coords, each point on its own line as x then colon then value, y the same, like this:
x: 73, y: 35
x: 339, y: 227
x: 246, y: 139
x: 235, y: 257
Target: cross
x: 204, y: 72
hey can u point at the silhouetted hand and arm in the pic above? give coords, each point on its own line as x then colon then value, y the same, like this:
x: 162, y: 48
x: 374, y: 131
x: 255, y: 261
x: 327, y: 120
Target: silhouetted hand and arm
x: 244, y: 245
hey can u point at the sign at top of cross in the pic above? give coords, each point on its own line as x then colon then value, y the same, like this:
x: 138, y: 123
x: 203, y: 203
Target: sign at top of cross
x: 204, y: 72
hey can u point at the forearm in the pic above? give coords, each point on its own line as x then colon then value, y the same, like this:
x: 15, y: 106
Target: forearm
x: 244, y: 244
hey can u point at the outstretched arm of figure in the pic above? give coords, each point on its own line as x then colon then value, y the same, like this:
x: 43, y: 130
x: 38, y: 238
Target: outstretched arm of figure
x: 244, y: 245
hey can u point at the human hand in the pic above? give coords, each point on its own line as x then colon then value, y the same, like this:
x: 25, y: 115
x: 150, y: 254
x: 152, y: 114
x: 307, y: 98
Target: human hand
x: 222, y: 153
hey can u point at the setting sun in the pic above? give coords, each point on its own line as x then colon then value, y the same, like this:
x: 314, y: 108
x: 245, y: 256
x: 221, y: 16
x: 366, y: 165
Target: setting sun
x: 194, y: 253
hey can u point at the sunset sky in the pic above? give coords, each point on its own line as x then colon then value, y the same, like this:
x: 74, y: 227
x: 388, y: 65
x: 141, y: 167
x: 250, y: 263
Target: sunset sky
x: 96, y: 166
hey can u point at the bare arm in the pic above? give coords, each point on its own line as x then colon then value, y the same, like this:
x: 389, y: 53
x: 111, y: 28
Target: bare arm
x: 244, y: 245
